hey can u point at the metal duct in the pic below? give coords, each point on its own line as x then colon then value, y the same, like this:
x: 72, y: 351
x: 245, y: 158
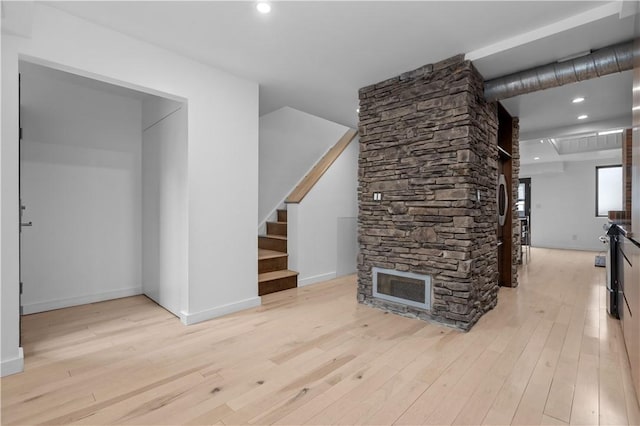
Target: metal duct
x: 603, y: 61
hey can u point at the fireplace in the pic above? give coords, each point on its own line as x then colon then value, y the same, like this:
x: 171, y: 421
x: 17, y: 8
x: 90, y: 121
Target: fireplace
x: 427, y: 173
x: 401, y: 287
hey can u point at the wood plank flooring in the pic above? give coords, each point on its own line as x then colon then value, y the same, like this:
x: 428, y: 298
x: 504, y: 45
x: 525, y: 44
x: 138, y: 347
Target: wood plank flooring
x: 548, y: 354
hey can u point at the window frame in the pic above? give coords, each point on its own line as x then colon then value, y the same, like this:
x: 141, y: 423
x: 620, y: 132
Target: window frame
x: 597, y: 178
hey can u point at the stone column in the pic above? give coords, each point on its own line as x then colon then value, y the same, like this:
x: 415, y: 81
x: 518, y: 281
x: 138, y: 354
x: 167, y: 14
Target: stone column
x: 428, y: 144
x: 515, y: 173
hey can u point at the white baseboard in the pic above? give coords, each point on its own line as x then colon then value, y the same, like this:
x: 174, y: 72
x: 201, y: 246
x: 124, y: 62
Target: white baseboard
x: 597, y: 248
x: 13, y: 366
x: 316, y: 279
x: 33, y: 308
x: 196, y: 317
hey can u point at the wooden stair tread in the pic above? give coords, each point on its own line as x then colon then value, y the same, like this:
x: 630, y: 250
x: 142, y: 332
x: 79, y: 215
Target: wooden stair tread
x: 273, y: 259
x: 276, y: 275
x: 269, y: 254
x: 277, y: 237
x: 277, y: 228
x: 273, y: 242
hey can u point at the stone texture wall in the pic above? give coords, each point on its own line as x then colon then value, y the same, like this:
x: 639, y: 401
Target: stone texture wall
x: 428, y: 144
x: 515, y: 182
x: 627, y: 167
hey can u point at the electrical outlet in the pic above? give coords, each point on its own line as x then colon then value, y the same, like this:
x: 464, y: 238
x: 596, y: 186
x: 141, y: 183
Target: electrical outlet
x: 377, y: 196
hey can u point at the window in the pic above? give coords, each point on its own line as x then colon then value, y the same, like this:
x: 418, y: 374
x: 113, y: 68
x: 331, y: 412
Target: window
x: 608, y: 189
x: 524, y: 197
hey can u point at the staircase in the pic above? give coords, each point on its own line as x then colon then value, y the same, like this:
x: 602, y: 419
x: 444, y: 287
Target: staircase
x: 273, y: 274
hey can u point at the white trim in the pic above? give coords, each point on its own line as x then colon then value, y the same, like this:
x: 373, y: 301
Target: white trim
x: 574, y: 21
x: 316, y: 279
x: 282, y: 205
x: 103, y: 78
x: 595, y: 249
x: 14, y: 365
x: 193, y: 318
x: 81, y: 300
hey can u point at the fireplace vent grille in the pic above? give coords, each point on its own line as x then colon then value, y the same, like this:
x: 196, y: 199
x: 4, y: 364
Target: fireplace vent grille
x: 405, y: 288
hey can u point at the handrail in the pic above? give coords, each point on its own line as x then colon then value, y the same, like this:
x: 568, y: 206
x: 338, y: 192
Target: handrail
x: 308, y: 182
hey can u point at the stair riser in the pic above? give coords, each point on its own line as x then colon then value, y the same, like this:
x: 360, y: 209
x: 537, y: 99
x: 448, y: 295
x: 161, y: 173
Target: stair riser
x: 282, y: 215
x: 277, y: 285
x: 277, y: 228
x: 273, y: 264
x: 272, y: 244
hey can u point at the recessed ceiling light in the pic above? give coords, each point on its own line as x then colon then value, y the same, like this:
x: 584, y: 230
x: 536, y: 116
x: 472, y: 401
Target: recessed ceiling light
x: 263, y: 7
x: 536, y: 158
x: 583, y: 117
x: 541, y: 140
x: 358, y: 110
x: 577, y: 100
x: 610, y: 132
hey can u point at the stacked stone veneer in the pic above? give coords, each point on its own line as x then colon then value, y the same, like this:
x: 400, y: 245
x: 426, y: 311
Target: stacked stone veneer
x: 627, y: 167
x: 516, y: 255
x: 428, y: 143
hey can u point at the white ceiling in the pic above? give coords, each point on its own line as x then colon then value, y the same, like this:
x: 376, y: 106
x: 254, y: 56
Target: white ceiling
x: 315, y: 55
x: 543, y: 151
x: 551, y: 113
x: 592, y: 35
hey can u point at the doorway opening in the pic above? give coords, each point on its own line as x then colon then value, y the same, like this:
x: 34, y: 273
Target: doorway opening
x: 523, y: 207
x: 103, y: 181
x: 566, y: 133
x: 524, y: 197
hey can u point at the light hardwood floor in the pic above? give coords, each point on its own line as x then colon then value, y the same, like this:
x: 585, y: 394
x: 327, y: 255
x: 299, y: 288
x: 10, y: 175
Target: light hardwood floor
x: 548, y: 354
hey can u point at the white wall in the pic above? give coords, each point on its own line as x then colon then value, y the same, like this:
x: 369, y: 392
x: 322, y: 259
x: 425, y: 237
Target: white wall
x: 156, y: 109
x: 563, y: 207
x: 222, y: 157
x: 81, y: 188
x: 313, y: 240
x: 291, y: 143
x: 164, y: 202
